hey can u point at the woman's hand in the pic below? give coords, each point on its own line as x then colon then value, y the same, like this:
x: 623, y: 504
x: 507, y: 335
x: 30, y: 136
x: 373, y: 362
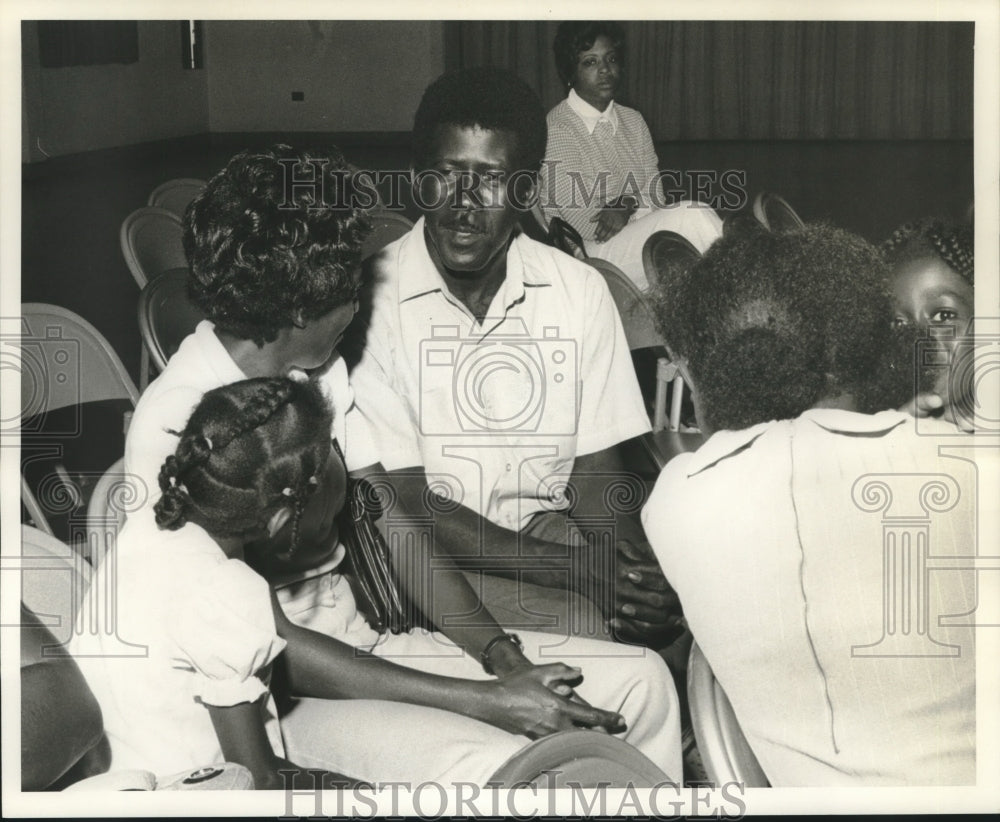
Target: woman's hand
x: 539, y: 700
x: 924, y: 404
x: 283, y: 775
x: 610, y: 220
x: 928, y: 404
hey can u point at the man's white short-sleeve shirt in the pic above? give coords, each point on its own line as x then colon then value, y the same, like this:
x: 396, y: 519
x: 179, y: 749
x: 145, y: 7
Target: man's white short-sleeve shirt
x: 497, y: 411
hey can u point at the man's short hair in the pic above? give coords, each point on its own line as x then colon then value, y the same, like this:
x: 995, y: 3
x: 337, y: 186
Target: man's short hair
x: 489, y: 98
x: 770, y: 324
x: 261, y: 248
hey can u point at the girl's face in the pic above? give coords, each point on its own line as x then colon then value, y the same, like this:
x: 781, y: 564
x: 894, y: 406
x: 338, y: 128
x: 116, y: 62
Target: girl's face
x: 598, y: 72
x: 931, y: 296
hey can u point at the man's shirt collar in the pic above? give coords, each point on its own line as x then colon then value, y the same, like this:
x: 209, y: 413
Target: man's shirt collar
x: 422, y: 277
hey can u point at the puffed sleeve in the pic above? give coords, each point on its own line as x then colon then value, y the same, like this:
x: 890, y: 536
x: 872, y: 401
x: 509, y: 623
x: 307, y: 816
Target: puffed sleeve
x: 222, y: 630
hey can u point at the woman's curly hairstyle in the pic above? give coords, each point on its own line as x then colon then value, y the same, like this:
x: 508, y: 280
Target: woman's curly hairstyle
x: 484, y: 97
x: 273, y: 233
x: 575, y: 36
x: 770, y: 324
x: 248, y: 449
x: 953, y: 243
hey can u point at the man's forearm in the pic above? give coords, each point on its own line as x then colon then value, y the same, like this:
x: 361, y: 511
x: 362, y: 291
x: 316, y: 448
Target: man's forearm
x: 474, y: 543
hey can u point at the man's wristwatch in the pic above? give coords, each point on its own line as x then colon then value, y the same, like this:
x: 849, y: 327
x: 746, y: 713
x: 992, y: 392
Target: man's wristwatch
x: 484, y: 657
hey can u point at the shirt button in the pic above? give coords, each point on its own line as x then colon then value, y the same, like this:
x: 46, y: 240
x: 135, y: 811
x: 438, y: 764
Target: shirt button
x: 508, y: 466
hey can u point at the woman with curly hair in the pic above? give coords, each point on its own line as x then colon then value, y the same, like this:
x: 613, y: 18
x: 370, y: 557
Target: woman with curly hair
x: 771, y: 533
x: 601, y: 173
x: 933, y: 290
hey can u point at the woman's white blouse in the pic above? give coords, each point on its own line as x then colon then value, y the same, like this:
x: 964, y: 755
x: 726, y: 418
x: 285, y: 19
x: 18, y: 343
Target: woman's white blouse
x: 192, y: 628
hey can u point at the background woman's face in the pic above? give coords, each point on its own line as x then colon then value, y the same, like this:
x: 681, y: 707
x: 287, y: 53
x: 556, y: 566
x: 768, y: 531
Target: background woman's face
x: 598, y: 72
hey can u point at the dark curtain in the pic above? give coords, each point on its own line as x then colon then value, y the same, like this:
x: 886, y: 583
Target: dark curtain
x: 87, y: 42
x: 720, y: 80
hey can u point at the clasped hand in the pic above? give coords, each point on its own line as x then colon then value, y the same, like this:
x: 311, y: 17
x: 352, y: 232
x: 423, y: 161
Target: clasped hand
x: 539, y: 700
x: 646, y: 609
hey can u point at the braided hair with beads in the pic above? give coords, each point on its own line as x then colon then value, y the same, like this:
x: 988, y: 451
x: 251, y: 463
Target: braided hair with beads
x: 248, y: 450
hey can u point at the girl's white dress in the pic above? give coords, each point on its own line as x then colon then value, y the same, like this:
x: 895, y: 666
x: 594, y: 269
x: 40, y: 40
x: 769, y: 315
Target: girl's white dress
x: 179, y: 626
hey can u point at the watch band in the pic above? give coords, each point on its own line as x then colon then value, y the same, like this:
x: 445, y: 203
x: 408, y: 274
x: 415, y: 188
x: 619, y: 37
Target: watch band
x: 484, y: 657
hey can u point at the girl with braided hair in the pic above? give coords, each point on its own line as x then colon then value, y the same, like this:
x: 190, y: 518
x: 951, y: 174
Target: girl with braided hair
x: 251, y: 456
x: 933, y: 290
x: 246, y: 462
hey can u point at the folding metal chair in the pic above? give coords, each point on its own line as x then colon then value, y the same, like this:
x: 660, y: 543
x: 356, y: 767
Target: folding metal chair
x: 166, y: 315
x: 73, y: 386
x: 639, y: 322
x: 724, y: 750
x: 174, y: 195
x: 152, y: 242
x: 775, y: 214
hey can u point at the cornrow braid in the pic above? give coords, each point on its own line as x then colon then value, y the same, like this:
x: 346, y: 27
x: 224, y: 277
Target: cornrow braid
x: 258, y: 410
x: 248, y: 449
x: 952, y: 243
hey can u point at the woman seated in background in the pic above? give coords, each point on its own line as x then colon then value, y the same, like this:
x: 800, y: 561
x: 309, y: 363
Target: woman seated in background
x: 933, y: 278
x: 593, y: 139
x: 772, y: 532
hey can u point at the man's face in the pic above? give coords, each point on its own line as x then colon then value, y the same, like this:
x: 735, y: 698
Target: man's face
x: 468, y: 199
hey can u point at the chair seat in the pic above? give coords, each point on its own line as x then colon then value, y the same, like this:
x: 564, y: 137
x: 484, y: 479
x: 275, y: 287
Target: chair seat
x: 581, y: 758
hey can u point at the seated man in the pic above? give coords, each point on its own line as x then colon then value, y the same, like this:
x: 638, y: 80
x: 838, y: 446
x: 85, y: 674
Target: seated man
x: 802, y: 536
x: 498, y: 366
x: 275, y: 247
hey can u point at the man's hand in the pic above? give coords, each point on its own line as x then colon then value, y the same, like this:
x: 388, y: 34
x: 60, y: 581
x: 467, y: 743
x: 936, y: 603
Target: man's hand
x: 539, y: 701
x: 610, y: 220
x: 646, y: 609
